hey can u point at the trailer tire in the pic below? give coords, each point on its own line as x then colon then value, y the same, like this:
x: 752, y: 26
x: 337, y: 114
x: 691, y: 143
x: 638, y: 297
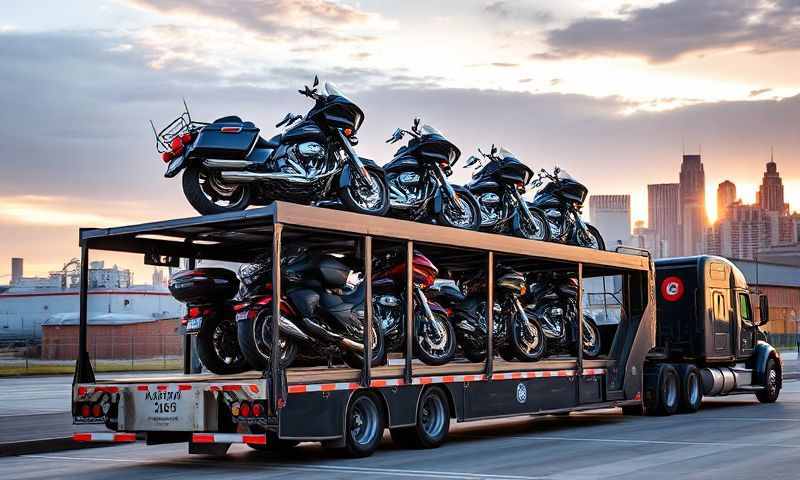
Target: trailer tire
x: 364, y: 425
x: 691, y: 389
x: 668, y: 396
x: 432, y: 425
x: 772, y: 379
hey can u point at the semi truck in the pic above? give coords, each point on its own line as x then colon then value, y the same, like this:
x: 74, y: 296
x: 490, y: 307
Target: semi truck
x: 685, y: 329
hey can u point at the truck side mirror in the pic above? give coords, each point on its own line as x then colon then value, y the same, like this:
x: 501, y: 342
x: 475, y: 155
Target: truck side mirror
x: 763, y: 310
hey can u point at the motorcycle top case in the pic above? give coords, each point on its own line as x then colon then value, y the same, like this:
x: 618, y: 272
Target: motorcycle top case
x: 204, y: 285
x: 227, y: 141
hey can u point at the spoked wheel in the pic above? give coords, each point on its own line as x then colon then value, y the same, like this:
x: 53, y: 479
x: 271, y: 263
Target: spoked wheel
x: 218, y: 347
x: 435, y: 339
x: 527, y: 340
x: 591, y: 338
x: 591, y: 238
x: 208, y: 193
x: 371, y: 199
x: 365, y: 424
x: 255, y: 339
x: 467, y: 214
x: 535, y: 228
x: 433, y: 422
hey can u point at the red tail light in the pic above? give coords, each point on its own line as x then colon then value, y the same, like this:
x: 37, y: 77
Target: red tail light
x: 244, y: 410
x: 186, y: 138
x: 176, y: 144
x: 167, y: 156
x: 257, y: 409
x: 85, y: 411
x: 97, y: 411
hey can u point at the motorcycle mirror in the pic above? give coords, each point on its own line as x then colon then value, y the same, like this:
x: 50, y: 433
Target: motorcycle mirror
x: 416, y: 124
x: 472, y: 160
x: 556, y: 170
x: 316, y: 81
x: 494, y: 149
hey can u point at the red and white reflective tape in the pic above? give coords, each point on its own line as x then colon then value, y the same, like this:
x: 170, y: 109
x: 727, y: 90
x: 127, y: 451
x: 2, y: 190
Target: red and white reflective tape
x: 89, y: 389
x: 171, y: 387
x: 447, y: 379
x: 229, y: 438
x: 323, y: 387
x: 231, y: 387
x: 104, y: 437
x: 594, y: 371
x: 535, y: 374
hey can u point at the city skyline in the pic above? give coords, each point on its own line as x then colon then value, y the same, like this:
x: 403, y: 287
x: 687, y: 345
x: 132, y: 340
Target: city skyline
x: 608, y: 92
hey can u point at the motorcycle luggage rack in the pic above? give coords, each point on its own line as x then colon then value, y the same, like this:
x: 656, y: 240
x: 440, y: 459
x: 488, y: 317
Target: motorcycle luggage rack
x: 179, y: 126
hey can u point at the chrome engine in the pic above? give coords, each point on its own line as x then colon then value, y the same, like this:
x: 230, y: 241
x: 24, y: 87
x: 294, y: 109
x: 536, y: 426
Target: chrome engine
x: 554, y: 219
x: 388, y: 310
x: 406, y: 189
x: 307, y: 159
x: 491, y: 209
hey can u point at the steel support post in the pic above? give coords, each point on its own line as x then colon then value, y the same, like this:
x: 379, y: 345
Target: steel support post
x: 408, y: 374
x: 276, y: 399
x: 366, y: 372
x: 579, y: 372
x: 187, y: 339
x: 489, y: 315
x: 83, y: 368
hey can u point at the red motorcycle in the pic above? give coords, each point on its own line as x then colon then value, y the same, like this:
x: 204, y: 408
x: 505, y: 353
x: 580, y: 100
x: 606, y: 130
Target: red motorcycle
x: 434, y: 337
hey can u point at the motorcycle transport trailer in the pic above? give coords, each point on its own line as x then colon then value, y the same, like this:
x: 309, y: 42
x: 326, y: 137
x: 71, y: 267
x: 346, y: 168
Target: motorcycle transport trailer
x: 345, y: 407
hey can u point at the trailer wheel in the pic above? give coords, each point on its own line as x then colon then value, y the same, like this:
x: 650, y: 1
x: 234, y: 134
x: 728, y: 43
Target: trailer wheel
x: 668, y: 391
x: 773, y: 384
x: 364, y: 425
x: 691, y: 389
x: 433, y: 422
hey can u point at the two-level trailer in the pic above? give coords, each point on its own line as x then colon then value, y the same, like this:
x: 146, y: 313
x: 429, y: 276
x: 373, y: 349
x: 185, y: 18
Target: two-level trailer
x: 350, y: 408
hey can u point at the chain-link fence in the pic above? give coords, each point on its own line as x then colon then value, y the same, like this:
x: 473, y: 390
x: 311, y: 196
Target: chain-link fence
x: 107, y: 353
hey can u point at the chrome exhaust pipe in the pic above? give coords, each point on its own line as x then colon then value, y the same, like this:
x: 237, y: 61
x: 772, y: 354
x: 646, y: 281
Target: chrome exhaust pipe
x: 219, y: 163
x: 351, y: 345
x: 246, y: 177
x: 287, y: 327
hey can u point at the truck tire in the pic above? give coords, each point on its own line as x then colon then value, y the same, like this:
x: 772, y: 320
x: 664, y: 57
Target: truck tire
x: 668, y: 392
x: 772, y: 376
x: 364, y: 425
x: 433, y: 422
x: 691, y: 389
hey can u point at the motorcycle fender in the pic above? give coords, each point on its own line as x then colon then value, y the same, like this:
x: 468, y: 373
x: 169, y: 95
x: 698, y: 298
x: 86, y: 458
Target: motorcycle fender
x: 266, y: 302
x: 437, y: 308
x: 175, y: 165
x: 438, y: 199
x: 346, y: 175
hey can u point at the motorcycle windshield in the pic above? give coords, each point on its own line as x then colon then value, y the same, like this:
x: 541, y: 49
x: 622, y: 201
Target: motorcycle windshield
x: 503, y: 152
x: 332, y: 90
x: 564, y: 175
x: 430, y: 130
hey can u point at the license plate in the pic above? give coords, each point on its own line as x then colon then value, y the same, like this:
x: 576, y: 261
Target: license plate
x: 194, y: 324
x: 241, y: 315
x: 171, y: 409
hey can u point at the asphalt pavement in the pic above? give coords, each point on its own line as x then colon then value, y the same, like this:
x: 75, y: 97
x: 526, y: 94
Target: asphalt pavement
x: 731, y: 438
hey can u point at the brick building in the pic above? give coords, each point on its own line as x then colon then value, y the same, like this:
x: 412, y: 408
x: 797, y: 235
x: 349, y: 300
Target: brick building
x: 112, y: 336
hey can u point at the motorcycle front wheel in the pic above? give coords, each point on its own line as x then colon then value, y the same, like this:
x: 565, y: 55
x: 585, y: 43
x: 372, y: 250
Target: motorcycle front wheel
x: 535, y: 229
x: 218, y: 347
x: 371, y: 200
x: 208, y: 193
x: 468, y: 218
x: 527, y: 341
x: 591, y: 238
x: 434, y: 342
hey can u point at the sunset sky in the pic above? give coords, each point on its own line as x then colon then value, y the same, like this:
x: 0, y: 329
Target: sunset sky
x: 611, y: 91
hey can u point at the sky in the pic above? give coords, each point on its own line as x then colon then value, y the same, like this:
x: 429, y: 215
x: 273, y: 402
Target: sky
x: 611, y: 91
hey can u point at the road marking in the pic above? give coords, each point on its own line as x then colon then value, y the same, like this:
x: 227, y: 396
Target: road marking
x: 632, y: 441
x: 391, y: 472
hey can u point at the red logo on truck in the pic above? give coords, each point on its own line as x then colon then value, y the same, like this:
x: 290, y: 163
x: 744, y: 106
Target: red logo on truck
x: 672, y: 289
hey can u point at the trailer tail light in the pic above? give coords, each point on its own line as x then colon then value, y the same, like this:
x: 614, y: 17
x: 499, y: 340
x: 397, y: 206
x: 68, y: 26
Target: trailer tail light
x: 244, y: 409
x: 97, y: 410
x: 85, y: 410
x: 258, y: 409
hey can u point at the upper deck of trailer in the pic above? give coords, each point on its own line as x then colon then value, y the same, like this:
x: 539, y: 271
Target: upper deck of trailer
x: 237, y: 236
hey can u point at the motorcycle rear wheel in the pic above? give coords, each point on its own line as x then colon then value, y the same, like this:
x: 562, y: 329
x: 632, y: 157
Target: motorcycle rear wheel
x: 208, y: 193
x: 255, y: 340
x: 356, y: 360
x: 218, y: 348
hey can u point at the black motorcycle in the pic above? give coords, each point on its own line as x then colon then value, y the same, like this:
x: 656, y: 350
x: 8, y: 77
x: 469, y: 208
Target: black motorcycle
x: 320, y: 315
x: 228, y: 166
x: 498, y: 186
x: 515, y: 335
x: 208, y: 294
x: 552, y: 300
x: 417, y: 180
x: 561, y: 199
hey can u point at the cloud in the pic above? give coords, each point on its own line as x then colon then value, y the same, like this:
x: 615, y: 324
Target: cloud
x: 666, y: 31
x: 60, y: 212
x: 760, y: 91
x: 516, y: 11
x: 504, y: 64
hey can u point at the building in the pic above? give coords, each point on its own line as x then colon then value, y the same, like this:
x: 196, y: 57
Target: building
x: 726, y: 196
x: 693, y: 218
x: 611, y: 215
x: 770, y: 194
x: 16, y: 270
x: 663, y: 213
x: 647, y: 238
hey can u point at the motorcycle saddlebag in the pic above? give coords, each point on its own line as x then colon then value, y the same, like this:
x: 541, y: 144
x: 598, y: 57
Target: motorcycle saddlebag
x: 204, y: 285
x: 227, y: 141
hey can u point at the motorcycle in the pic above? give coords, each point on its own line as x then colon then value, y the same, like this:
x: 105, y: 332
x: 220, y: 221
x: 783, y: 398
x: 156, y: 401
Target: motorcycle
x: 552, y: 300
x: 434, y: 340
x: 320, y: 316
x: 498, y: 186
x: 228, y: 166
x: 515, y: 334
x: 561, y: 199
x: 208, y: 294
x: 417, y: 180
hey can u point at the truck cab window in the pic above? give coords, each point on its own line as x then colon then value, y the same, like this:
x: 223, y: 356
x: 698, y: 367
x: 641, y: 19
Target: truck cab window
x: 745, y: 311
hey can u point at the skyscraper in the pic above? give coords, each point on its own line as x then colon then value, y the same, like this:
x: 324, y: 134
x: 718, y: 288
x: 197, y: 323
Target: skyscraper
x: 693, y: 209
x: 770, y: 195
x: 611, y: 214
x: 726, y: 195
x: 663, y: 213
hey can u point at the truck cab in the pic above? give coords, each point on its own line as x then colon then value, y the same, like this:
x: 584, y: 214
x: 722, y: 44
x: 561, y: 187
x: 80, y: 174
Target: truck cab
x: 708, y: 341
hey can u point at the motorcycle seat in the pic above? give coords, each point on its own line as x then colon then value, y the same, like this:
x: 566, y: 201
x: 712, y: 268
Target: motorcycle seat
x: 348, y: 301
x: 273, y: 142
